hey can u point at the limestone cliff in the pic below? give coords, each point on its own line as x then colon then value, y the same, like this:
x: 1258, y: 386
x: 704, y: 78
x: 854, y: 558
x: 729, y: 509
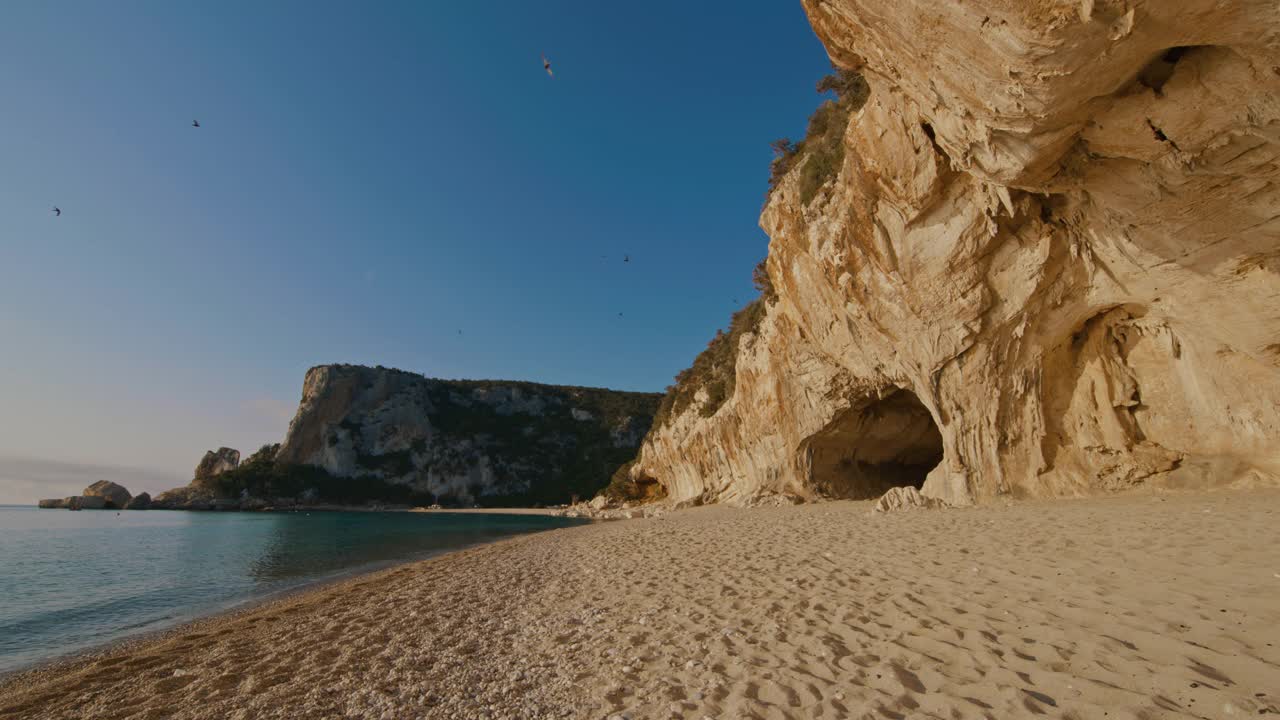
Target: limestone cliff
x: 466, y: 441
x: 1045, y: 263
x: 386, y: 436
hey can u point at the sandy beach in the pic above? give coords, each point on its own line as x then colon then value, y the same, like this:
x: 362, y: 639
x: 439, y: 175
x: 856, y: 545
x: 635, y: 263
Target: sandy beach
x: 1133, y: 607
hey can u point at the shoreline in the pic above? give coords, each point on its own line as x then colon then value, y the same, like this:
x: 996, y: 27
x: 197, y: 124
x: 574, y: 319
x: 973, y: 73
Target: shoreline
x: 548, y: 511
x: 1141, y: 605
x: 69, y: 660
x: 73, y: 659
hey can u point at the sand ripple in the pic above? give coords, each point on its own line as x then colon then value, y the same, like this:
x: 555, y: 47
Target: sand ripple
x: 1137, y: 607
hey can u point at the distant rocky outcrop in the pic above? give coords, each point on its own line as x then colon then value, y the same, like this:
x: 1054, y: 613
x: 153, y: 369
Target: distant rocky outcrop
x: 101, y: 495
x: 116, y: 496
x: 376, y: 435
x: 204, y: 488
x: 1040, y: 257
x: 216, y: 462
x: 141, y: 501
x: 86, y: 502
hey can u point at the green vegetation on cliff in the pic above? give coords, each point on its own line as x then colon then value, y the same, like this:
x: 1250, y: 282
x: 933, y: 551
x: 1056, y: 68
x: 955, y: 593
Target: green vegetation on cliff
x: 565, y: 457
x: 260, y: 476
x: 622, y: 488
x: 716, y: 368
x: 818, y: 157
x: 384, y: 436
x: 821, y: 153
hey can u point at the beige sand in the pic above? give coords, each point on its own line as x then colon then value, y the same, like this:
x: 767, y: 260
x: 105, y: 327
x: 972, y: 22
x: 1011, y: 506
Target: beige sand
x: 1135, y: 607
x: 488, y: 511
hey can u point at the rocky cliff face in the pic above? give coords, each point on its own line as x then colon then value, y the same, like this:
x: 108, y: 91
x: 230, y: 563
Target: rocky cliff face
x: 216, y: 462
x: 1045, y: 264
x: 464, y: 441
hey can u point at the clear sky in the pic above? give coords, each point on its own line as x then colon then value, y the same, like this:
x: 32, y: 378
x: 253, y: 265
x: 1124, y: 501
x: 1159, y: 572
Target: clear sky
x: 369, y: 180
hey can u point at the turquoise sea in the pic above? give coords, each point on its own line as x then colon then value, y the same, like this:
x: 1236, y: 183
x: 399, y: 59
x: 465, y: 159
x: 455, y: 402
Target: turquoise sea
x: 74, y: 580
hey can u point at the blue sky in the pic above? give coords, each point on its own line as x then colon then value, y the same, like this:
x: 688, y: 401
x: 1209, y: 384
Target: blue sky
x: 369, y: 179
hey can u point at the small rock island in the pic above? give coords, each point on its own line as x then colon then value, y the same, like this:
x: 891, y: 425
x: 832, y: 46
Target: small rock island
x: 102, y: 495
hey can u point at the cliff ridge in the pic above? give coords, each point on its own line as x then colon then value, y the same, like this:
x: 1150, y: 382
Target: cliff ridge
x: 377, y: 435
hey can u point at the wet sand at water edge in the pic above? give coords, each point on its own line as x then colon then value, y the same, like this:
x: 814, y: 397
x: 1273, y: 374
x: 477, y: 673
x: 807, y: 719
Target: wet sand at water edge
x: 1128, y: 607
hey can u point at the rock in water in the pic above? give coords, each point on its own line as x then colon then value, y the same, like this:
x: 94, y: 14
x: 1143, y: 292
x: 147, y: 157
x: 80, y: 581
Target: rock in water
x: 141, y: 501
x: 53, y: 503
x: 86, y: 502
x: 906, y: 498
x: 1039, y: 258
x: 115, y: 496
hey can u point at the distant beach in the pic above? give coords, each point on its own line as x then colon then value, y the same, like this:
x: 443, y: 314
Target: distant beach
x: 1140, y: 606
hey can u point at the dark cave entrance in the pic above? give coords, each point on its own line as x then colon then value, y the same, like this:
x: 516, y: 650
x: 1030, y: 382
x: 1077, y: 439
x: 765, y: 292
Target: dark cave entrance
x: 865, y: 451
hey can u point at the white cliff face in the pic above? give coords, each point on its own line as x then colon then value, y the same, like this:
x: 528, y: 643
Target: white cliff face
x: 1047, y: 266
x: 463, y: 440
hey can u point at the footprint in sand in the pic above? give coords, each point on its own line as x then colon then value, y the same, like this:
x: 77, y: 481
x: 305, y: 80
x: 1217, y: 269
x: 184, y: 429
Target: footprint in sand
x: 909, y: 680
x: 1209, y: 672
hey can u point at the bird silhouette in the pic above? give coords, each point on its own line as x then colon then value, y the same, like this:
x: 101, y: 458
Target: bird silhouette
x: 626, y: 258
x: 195, y: 123
x: 57, y: 211
x: 546, y: 65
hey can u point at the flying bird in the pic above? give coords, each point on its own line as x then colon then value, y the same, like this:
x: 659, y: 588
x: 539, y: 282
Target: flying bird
x: 626, y: 258
x: 195, y: 123
x: 546, y: 65
x: 57, y: 211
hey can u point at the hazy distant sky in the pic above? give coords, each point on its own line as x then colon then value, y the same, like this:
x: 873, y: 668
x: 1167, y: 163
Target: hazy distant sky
x: 370, y: 178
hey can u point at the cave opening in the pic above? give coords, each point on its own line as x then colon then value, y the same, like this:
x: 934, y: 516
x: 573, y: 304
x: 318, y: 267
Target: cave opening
x: 866, y: 450
x: 1157, y: 72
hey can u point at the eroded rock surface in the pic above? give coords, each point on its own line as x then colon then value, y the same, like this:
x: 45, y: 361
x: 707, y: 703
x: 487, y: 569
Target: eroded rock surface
x: 906, y: 498
x: 141, y: 501
x: 216, y: 462
x: 86, y: 502
x: 116, y: 496
x: 1046, y: 266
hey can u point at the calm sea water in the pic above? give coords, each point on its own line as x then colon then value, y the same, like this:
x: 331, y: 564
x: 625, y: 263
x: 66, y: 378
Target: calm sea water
x: 73, y: 580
